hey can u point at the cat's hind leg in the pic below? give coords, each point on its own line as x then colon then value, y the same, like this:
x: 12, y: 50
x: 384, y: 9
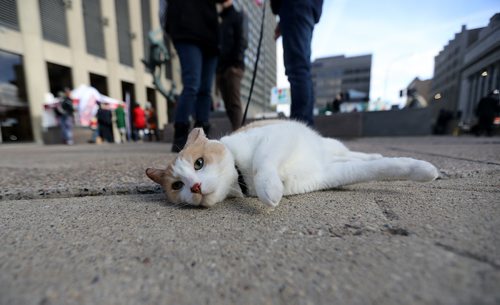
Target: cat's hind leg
x: 338, y: 152
x: 350, y: 172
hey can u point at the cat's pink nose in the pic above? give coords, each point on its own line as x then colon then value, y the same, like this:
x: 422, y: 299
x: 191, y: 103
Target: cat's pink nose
x: 196, y: 188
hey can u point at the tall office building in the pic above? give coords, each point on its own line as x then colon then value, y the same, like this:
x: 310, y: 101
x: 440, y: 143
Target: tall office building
x: 266, y: 73
x: 447, y: 69
x: 480, y: 71
x: 46, y: 45
x: 340, y: 74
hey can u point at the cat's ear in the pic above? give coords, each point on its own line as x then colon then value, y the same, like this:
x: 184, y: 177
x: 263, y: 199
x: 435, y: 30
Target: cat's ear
x: 157, y: 175
x: 194, y: 135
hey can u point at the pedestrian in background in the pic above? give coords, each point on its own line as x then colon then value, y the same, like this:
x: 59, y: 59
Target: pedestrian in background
x: 120, y: 122
x: 193, y: 28
x: 105, y: 123
x: 152, y: 124
x: 139, y: 122
x: 64, y: 112
x: 487, y: 109
x: 231, y: 66
x: 296, y: 25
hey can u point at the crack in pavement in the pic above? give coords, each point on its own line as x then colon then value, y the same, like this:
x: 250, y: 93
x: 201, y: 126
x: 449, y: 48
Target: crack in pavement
x: 443, y: 156
x: 467, y: 254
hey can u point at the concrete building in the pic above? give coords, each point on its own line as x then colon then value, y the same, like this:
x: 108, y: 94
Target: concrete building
x: 266, y: 73
x: 46, y: 45
x: 480, y: 70
x: 447, y: 68
x: 340, y: 74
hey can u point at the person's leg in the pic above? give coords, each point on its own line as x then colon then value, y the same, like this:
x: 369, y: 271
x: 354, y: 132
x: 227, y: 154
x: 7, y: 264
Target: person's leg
x: 204, y: 98
x: 297, y: 24
x: 191, y: 59
x: 231, y: 84
x: 62, y: 126
x: 69, y: 130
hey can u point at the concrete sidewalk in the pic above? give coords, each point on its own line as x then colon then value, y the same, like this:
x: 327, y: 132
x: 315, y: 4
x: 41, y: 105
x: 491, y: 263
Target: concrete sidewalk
x: 83, y: 225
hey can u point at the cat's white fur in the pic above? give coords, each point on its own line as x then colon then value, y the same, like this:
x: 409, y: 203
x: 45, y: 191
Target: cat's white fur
x: 278, y: 158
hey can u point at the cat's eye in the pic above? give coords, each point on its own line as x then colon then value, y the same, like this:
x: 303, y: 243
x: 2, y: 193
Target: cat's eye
x: 198, y: 164
x: 177, y: 185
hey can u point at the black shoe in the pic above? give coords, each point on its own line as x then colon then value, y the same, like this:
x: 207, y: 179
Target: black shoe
x: 204, y: 125
x: 181, y: 131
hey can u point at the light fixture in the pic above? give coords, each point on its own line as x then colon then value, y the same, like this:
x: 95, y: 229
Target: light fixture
x: 484, y: 74
x: 437, y: 96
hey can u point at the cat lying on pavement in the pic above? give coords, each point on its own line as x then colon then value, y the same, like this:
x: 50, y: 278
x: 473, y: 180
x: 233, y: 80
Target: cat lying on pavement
x: 272, y: 159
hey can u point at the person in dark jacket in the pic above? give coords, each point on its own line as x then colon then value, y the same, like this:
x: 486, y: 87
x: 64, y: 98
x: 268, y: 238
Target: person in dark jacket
x: 231, y: 66
x: 297, y: 21
x: 193, y: 28
x: 105, y: 122
x: 487, y: 108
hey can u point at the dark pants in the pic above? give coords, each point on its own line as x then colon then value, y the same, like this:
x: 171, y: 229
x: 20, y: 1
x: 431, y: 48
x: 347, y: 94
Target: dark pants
x: 297, y: 25
x: 66, y: 124
x: 106, y: 133
x: 229, y: 83
x: 485, y: 124
x: 198, y: 70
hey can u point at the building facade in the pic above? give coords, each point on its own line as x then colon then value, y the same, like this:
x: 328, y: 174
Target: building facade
x: 46, y: 45
x: 340, y: 74
x: 266, y: 73
x: 447, y: 69
x: 480, y: 71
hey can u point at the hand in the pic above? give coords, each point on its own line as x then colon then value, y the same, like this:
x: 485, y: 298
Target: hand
x: 277, y: 31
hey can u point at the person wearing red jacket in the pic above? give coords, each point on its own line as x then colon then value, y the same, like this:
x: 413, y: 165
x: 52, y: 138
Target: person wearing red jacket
x: 139, y: 122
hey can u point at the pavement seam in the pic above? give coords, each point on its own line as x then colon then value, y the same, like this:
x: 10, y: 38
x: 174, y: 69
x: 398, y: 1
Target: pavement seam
x: 443, y: 156
x: 467, y: 254
x: 85, y: 192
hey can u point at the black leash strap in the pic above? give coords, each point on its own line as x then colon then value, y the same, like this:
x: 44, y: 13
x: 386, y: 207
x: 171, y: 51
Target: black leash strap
x: 256, y: 63
x: 241, y: 182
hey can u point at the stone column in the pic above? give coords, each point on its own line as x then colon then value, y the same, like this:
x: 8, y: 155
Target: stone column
x: 37, y: 82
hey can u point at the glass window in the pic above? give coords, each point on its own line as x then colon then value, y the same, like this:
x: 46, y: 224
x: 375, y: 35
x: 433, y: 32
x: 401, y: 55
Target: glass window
x: 15, y: 119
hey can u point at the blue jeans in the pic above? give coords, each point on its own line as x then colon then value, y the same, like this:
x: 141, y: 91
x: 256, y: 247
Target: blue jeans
x: 297, y: 25
x: 198, y: 70
x: 66, y: 125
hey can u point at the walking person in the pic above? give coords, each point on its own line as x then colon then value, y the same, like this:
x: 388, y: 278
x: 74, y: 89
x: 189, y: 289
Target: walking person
x: 486, y: 111
x: 120, y: 123
x: 64, y: 112
x: 105, y: 123
x: 152, y: 123
x: 193, y: 28
x: 139, y: 122
x: 297, y: 21
x: 231, y: 66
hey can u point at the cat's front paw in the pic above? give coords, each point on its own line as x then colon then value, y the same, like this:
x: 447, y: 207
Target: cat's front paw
x: 423, y: 171
x: 269, y: 188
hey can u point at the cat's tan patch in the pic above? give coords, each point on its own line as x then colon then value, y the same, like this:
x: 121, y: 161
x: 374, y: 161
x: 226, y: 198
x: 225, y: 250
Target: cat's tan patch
x: 197, y: 146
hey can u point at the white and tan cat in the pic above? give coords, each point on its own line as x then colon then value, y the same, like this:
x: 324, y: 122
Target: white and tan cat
x: 274, y: 158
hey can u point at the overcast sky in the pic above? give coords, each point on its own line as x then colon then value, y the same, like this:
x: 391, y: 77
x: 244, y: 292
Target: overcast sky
x: 403, y: 36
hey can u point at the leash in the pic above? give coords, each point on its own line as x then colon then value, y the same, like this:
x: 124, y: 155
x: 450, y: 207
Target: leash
x: 256, y: 63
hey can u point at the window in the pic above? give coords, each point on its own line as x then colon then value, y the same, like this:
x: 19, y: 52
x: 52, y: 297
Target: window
x: 94, y: 34
x: 53, y: 17
x: 15, y: 122
x: 8, y: 14
x: 124, y: 34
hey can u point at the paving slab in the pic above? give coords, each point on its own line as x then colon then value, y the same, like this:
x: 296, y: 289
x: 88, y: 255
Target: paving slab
x: 371, y: 243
